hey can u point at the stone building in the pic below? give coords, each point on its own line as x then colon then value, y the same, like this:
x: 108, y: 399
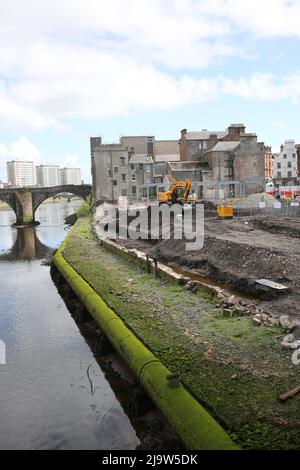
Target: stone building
x: 193, y: 145
x: 142, y: 145
x: 129, y: 168
x: 268, y: 158
x: 109, y: 165
x: 237, y: 168
x: 140, y: 175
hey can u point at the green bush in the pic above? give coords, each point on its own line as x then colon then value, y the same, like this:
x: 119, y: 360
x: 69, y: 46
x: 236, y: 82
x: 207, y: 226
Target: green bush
x: 86, y: 208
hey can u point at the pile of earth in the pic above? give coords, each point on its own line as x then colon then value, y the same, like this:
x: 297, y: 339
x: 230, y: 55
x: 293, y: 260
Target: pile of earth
x: 253, y: 201
x: 287, y: 227
x: 231, y: 264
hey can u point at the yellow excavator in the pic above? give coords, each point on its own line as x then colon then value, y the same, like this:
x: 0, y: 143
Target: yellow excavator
x: 178, y: 192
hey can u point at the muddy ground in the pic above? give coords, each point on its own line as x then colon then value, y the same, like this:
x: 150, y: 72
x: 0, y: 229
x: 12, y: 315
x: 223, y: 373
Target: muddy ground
x: 237, y: 253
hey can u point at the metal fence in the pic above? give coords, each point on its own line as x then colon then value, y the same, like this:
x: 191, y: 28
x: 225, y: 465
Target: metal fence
x: 277, y: 208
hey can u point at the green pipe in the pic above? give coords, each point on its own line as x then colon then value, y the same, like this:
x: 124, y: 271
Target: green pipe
x: 195, y: 426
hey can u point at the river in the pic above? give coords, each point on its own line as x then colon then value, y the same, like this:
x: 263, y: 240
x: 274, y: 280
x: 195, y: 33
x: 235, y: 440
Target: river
x: 45, y: 401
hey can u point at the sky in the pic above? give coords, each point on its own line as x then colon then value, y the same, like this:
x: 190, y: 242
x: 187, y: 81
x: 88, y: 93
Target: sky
x: 71, y: 69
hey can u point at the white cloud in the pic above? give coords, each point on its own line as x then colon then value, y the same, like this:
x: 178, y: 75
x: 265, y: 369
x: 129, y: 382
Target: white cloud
x: 24, y: 149
x: 264, y: 87
x: 75, y: 59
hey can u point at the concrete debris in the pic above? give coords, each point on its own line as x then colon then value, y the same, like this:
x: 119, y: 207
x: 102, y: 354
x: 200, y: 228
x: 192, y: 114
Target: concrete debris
x: 286, y: 322
x: 227, y: 313
x: 289, y: 338
x: 294, y: 345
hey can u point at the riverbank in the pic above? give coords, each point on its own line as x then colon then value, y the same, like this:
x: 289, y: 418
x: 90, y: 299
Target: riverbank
x: 236, y: 369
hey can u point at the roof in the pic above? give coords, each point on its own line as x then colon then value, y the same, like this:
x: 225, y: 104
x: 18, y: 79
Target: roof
x: 225, y: 146
x: 167, y: 158
x: 141, y: 158
x: 189, y: 166
x: 204, y: 135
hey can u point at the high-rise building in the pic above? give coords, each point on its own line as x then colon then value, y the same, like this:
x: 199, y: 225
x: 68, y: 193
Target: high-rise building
x: 71, y: 176
x: 21, y: 173
x: 48, y: 175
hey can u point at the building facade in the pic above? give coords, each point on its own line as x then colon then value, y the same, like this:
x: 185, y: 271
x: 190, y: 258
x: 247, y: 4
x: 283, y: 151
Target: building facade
x: 48, y: 176
x: 109, y: 171
x: 237, y: 168
x: 70, y: 176
x: 193, y: 145
x: 285, y: 169
x: 21, y: 174
x: 140, y: 176
x: 268, y: 158
x: 141, y: 145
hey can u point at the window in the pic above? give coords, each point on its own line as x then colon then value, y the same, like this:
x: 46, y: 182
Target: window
x: 115, y: 183
x: 278, y: 174
x: 132, y: 166
x: 289, y: 164
x: 294, y: 155
x: 122, y: 161
x: 278, y: 165
x: 133, y: 189
x: 109, y: 172
x: 284, y: 155
x: 116, y: 170
x: 289, y: 174
x: 123, y: 177
x: 133, y: 178
x: 124, y: 192
x: 140, y: 166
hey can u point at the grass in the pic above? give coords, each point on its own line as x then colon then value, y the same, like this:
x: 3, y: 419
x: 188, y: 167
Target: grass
x: 233, y: 367
x: 85, y: 210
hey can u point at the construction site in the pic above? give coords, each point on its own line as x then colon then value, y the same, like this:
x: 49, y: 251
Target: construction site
x: 225, y: 318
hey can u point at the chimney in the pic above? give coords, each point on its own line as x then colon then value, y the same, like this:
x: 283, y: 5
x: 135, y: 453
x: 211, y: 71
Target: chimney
x: 248, y: 143
x: 130, y: 152
x: 183, y: 133
x: 95, y: 142
x: 235, y: 130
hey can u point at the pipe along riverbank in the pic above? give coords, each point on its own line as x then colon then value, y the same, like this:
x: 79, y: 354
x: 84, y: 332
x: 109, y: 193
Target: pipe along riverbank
x: 193, y: 424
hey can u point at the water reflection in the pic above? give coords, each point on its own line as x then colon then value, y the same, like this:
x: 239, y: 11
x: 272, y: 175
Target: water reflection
x: 55, y: 213
x: 29, y: 243
x: 25, y: 245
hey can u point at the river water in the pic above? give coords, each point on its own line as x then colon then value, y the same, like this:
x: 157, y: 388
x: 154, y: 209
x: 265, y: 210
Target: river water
x: 45, y: 399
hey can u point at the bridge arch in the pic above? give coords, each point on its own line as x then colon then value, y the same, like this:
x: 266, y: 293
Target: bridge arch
x: 25, y: 201
x: 10, y: 201
x: 42, y: 194
x: 54, y: 195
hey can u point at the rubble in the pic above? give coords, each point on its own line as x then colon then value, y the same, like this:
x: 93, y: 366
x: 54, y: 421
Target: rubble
x: 286, y: 322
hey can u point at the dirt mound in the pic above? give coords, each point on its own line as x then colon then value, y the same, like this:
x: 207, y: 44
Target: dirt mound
x: 229, y: 263
x: 253, y: 200
x: 287, y: 227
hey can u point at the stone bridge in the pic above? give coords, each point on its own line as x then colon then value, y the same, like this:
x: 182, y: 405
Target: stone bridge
x: 25, y: 201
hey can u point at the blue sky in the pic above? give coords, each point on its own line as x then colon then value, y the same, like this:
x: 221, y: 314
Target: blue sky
x: 72, y: 69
